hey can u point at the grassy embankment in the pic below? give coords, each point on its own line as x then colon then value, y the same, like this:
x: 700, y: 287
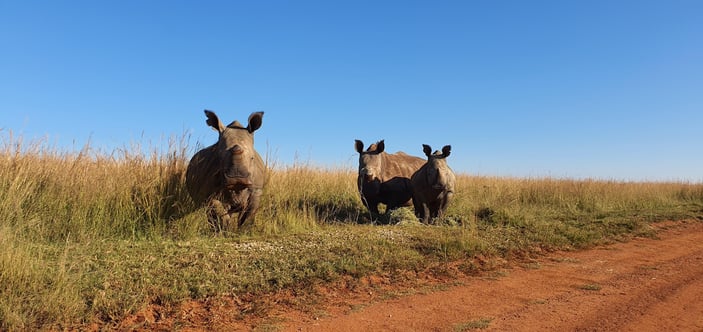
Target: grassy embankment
x: 88, y: 236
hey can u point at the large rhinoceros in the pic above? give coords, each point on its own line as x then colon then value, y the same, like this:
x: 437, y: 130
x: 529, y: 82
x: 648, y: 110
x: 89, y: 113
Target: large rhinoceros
x: 229, y: 175
x: 385, y: 178
x: 433, y: 184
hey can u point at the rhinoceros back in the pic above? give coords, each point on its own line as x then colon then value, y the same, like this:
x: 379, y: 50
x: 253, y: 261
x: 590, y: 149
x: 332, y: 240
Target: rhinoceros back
x: 203, y: 176
x: 400, y: 164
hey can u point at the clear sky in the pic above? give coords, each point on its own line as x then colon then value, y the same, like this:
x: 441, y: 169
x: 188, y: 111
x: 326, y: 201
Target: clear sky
x: 570, y: 89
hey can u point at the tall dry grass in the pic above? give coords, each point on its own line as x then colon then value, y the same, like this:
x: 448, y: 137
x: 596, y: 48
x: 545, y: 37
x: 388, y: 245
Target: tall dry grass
x: 90, y: 234
x: 52, y: 195
x: 562, y: 199
x: 301, y: 197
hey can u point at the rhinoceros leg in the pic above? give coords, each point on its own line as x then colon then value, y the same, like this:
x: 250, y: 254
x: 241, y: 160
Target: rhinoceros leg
x: 426, y: 213
x: 417, y: 206
x: 445, y: 202
x: 438, y: 207
x: 249, y: 210
x: 218, y: 215
x: 247, y: 214
x: 422, y: 210
x: 372, y: 204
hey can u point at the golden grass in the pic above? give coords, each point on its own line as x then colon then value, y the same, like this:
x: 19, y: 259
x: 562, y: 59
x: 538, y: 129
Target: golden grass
x: 53, y: 195
x: 94, y: 236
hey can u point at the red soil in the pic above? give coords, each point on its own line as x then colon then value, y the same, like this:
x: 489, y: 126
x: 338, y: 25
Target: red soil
x: 641, y: 285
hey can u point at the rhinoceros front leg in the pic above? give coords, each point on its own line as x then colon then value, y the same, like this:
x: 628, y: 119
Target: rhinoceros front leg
x: 249, y: 210
x: 218, y: 215
x: 422, y: 210
x: 445, y: 203
x: 426, y: 213
x: 371, y: 204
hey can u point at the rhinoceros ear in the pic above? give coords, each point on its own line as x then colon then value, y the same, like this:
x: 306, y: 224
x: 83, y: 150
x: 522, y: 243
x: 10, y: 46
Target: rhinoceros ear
x: 380, y: 146
x: 359, y: 146
x: 255, y: 120
x: 446, y: 150
x: 427, y: 149
x: 213, y: 121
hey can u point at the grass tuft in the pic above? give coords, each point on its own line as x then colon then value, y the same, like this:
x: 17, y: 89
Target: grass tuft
x: 478, y: 324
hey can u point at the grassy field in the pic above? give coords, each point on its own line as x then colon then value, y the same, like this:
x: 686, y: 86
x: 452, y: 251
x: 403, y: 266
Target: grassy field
x: 88, y: 237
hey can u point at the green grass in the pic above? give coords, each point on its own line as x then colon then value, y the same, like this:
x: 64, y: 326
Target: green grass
x: 478, y: 324
x: 90, y: 236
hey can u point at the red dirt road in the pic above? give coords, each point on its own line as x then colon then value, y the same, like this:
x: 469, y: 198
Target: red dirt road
x: 640, y: 285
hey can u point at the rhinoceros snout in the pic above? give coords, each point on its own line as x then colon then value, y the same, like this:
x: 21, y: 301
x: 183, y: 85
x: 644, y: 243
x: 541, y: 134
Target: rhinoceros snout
x: 237, y: 180
x: 236, y: 174
x: 237, y: 150
x: 236, y: 170
x: 368, y: 175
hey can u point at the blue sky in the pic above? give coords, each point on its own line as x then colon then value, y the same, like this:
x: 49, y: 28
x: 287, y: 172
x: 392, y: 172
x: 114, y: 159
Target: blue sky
x: 575, y: 89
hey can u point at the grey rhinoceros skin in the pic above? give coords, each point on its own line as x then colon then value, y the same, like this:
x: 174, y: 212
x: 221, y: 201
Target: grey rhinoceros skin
x: 385, y: 178
x: 229, y: 175
x: 433, y: 184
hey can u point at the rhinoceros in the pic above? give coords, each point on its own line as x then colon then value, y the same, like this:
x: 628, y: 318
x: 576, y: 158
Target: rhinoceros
x: 385, y: 178
x: 433, y: 184
x: 229, y: 175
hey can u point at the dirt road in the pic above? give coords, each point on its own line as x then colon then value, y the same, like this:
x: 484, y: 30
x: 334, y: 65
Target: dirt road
x: 641, y: 285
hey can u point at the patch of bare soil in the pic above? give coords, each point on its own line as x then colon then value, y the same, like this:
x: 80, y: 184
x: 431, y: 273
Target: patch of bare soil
x: 640, y: 285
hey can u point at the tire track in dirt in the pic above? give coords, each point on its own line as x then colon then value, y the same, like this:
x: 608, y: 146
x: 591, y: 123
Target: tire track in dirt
x: 653, y: 293
x: 641, y: 285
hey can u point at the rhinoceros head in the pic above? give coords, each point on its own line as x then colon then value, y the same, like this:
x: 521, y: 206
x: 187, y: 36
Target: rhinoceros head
x: 235, y: 149
x: 370, y: 161
x: 437, y: 169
